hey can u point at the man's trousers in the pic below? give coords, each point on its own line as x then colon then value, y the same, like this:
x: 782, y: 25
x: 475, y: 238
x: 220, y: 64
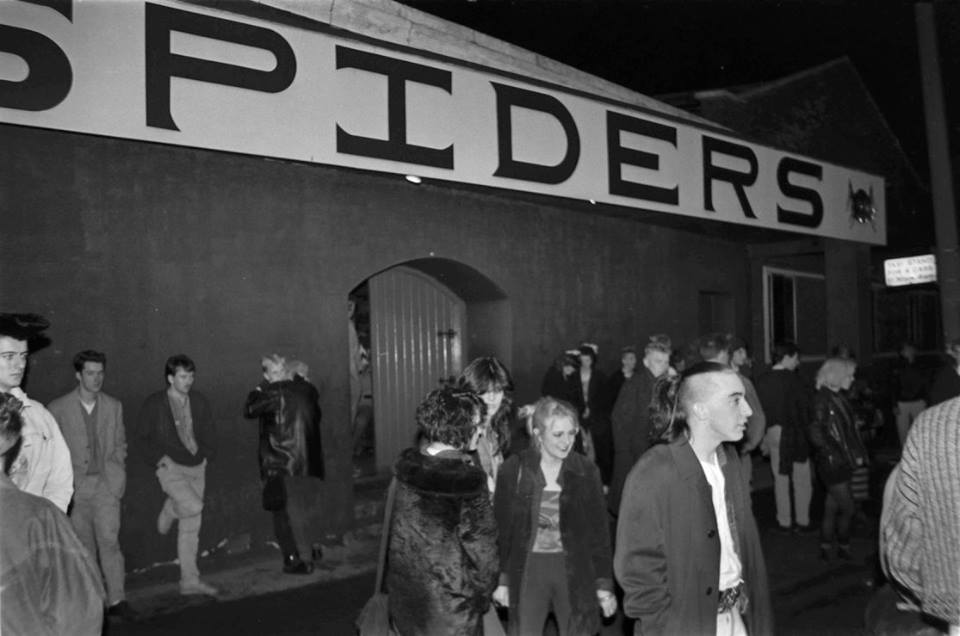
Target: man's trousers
x: 184, y: 486
x: 96, y: 519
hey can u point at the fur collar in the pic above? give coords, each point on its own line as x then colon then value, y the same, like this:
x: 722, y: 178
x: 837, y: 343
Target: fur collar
x: 447, y: 474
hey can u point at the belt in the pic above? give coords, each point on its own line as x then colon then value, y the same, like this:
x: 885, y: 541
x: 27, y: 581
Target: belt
x: 732, y: 598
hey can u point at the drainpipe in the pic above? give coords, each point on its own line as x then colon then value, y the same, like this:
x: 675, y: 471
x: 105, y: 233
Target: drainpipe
x: 941, y: 180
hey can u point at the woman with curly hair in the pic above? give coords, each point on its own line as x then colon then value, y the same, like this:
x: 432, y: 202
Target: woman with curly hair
x: 838, y: 450
x: 489, y: 379
x: 442, y: 558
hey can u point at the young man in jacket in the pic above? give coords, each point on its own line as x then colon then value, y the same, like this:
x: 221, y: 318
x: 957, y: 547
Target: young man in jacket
x: 788, y: 408
x: 92, y: 426
x: 688, y: 552
x: 177, y: 436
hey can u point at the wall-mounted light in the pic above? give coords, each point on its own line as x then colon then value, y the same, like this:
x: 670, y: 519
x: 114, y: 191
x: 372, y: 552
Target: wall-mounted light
x: 412, y: 178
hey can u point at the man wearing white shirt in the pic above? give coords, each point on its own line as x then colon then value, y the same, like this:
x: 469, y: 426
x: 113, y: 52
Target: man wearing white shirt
x: 688, y: 552
x: 42, y: 466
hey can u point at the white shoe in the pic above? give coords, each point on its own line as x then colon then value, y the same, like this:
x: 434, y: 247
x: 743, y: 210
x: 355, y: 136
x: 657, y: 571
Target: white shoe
x: 198, y: 588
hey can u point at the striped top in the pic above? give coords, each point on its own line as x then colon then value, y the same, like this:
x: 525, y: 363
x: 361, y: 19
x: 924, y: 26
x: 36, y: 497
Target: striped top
x: 920, y: 525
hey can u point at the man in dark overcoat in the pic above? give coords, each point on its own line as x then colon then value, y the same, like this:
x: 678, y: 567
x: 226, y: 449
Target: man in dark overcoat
x: 688, y: 552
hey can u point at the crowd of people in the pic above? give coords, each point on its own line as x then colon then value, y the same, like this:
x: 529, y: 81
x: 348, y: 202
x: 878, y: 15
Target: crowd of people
x: 63, y: 574
x: 628, y: 492
x: 634, y: 491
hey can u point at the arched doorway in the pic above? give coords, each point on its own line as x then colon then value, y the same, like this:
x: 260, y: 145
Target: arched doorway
x: 427, y: 318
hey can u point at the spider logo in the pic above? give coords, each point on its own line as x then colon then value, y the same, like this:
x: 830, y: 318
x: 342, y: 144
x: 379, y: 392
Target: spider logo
x: 861, y: 207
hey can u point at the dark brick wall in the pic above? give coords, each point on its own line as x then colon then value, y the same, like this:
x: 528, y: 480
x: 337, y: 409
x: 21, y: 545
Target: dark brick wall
x: 145, y: 250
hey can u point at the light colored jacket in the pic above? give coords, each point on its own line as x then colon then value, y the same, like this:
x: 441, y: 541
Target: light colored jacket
x: 111, y: 440
x: 42, y: 466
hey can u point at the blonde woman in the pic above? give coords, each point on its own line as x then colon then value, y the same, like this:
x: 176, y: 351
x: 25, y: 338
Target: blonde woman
x: 545, y: 563
x: 838, y: 450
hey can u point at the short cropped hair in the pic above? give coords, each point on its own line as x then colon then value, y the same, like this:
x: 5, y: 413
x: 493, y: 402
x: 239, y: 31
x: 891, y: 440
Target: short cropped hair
x: 713, y: 345
x: 179, y: 361
x: 783, y: 350
x: 673, y: 396
x: 659, y: 342
x: 448, y: 416
x: 88, y: 355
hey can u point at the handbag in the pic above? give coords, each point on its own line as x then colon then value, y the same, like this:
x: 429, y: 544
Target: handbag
x: 374, y: 618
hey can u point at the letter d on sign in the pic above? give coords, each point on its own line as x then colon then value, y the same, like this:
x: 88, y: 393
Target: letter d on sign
x: 162, y: 65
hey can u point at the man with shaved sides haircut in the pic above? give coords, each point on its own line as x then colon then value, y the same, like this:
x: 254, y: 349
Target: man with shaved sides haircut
x: 688, y: 552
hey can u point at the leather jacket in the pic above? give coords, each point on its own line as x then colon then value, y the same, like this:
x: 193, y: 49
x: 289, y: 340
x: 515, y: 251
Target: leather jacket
x: 289, y: 415
x: 834, y: 436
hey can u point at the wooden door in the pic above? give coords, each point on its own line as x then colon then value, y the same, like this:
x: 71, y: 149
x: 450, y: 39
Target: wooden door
x: 416, y: 334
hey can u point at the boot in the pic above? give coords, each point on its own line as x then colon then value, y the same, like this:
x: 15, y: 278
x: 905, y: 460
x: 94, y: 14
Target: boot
x: 292, y: 564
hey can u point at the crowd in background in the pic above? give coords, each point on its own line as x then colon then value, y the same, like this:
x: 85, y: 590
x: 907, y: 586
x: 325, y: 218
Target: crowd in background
x: 597, y: 460
x: 627, y: 491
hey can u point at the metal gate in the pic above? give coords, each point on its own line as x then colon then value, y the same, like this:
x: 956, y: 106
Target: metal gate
x: 417, y: 330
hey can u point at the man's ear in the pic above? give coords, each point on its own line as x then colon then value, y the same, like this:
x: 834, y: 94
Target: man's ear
x: 699, y: 410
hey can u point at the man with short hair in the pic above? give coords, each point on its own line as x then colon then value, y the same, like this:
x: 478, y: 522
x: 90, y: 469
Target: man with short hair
x: 788, y: 407
x: 48, y: 584
x: 92, y: 425
x: 42, y: 466
x: 630, y: 420
x: 722, y: 349
x: 177, y: 436
x: 688, y: 552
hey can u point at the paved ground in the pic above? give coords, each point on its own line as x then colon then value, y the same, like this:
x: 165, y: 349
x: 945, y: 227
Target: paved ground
x: 810, y: 596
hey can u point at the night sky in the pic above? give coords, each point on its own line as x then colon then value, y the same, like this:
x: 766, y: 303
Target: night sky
x: 666, y: 46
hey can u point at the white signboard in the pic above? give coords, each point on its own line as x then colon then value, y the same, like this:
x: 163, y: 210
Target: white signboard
x: 911, y: 270
x: 177, y: 73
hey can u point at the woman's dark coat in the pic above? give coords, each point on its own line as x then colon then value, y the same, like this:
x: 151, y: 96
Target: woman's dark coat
x: 583, y: 531
x: 838, y: 448
x: 668, y: 548
x: 289, y: 415
x: 442, y: 562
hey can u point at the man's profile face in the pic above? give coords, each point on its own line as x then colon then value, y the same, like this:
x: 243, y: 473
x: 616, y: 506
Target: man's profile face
x: 727, y: 408
x: 181, y: 381
x: 91, y: 377
x: 13, y: 362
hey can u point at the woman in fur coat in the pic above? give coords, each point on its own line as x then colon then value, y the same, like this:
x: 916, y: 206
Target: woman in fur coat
x: 554, y: 539
x: 442, y: 561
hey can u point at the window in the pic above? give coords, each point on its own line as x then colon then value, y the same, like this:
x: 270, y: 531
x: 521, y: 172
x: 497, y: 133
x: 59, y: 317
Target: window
x: 795, y: 309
